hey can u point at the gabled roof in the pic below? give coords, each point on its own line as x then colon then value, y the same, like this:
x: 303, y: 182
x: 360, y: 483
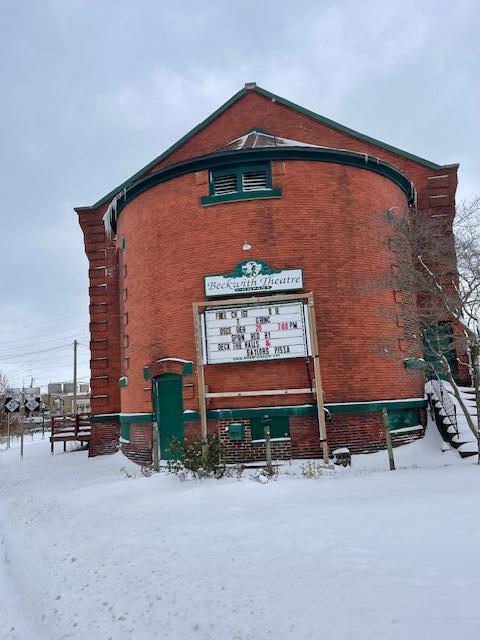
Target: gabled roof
x: 271, y: 96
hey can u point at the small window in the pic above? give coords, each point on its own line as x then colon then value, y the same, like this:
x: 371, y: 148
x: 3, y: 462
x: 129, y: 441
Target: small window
x: 240, y: 183
x: 240, y: 179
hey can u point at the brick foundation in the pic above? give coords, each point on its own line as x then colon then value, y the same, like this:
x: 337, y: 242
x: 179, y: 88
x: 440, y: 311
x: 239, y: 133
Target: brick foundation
x: 139, y: 449
x: 104, y: 438
x: 360, y: 432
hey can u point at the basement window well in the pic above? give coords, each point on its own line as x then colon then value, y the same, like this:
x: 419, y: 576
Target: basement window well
x: 240, y: 183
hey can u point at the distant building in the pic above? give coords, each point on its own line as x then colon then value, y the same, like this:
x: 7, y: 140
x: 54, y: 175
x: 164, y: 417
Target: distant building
x: 59, y: 399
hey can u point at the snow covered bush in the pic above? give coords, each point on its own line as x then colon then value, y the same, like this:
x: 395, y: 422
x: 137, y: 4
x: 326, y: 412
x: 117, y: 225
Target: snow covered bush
x: 313, y: 470
x: 198, y: 459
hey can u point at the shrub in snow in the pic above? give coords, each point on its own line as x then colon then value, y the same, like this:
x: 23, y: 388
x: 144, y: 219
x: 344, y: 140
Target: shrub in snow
x: 314, y: 470
x: 198, y: 459
x: 263, y: 475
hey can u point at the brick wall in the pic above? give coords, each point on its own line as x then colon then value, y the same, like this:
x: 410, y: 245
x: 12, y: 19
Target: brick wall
x: 171, y: 242
x: 139, y: 449
x: 104, y: 327
x: 104, y: 438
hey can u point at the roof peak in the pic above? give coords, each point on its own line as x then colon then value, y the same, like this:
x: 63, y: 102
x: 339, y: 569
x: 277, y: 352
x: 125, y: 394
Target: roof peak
x: 253, y: 87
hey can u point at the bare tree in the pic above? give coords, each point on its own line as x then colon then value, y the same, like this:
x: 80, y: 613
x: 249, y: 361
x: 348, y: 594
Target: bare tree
x: 442, y: 269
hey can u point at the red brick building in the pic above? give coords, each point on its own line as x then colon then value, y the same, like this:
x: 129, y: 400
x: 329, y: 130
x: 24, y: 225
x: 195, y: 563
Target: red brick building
x: 261, y: 189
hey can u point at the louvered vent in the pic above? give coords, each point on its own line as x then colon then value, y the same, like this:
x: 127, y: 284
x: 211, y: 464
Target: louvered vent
x: 225, y: 184
x: 255, y: 180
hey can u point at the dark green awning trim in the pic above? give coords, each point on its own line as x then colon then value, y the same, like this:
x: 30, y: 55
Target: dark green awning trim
x: 268, y: 154
x: 122, y: 418
x: 135, y: 417
x: 105, y: 417
x: 366, y: 407
x: 305, y: 410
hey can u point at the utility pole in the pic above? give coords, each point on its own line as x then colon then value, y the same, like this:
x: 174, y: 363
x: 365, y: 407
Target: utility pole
x: 74, y: 378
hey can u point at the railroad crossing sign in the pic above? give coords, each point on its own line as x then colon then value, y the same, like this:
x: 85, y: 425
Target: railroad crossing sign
x: 32, y: 404
x: 12, y: 405
x: 32, y: 399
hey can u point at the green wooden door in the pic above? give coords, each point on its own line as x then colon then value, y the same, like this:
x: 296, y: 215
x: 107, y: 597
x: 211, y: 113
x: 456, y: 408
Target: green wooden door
x: 168, y: 410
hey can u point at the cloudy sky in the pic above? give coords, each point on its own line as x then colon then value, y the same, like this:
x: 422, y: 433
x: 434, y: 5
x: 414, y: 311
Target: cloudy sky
x: 94, y: 89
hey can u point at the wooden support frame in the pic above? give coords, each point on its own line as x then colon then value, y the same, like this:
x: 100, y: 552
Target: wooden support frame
x: 318, y: 388
x: 269, y: 392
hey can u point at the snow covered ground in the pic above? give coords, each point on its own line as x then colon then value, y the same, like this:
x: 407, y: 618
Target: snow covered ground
x: 89, y: 553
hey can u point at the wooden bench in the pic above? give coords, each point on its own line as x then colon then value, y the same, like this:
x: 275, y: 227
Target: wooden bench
x: 70, y: 428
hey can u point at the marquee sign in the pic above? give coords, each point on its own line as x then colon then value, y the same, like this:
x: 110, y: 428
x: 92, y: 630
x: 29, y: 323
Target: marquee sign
x: 256, y: 332
x: 253, y: 276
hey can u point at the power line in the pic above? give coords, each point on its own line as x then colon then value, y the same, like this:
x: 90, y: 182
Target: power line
x: 30, y: 353
x: 71, y: 330
x: 47, y: 322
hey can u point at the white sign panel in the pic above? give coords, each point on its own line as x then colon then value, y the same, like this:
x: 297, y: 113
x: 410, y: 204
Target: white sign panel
x: 31, y: 392
x: 256, y: 332
x: 253, y: 276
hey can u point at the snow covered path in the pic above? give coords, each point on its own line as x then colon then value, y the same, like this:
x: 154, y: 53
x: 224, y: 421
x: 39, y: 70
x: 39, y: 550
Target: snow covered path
x: 93, y: 554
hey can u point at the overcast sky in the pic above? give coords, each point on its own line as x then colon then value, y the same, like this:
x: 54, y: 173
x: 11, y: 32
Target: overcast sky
x: 92, y: 90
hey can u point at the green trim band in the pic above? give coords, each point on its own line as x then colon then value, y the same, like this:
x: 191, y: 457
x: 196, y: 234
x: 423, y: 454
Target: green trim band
x: 128, y: 418
x: 122, y: 417
x: 286, y: 103
x: 306, y: 409
x: 104, y: 417
x: 261, y: 194
x: 268, y: 154
x: 287, y: 410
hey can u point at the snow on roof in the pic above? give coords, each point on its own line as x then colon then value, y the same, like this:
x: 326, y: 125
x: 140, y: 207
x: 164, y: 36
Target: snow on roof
x: 260, y: 140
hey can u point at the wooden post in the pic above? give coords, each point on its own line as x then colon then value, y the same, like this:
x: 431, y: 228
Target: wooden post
x: 318, y: 379
x: 202, y: 403
x: 156, y: 448
x: 74, y: 407
x: 268, y: 445
x: 388, y: 438
x: 8, y: 430
x: 21, y: 440
x: 52, y: 432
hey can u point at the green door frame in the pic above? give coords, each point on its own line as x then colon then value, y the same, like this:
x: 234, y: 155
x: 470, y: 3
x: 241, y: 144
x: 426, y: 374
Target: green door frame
x: 167, y: 400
